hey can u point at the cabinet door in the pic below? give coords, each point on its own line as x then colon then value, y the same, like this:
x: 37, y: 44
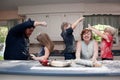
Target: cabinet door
x: 54, y: 22
x: 55, y: 27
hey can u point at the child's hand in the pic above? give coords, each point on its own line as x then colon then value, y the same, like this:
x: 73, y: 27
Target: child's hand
x: 32, y: 56
x: 89, y: 26
x: 82, y: 18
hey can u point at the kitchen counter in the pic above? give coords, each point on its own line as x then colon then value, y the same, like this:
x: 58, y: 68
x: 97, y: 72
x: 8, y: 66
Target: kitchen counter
x: 33, y: 70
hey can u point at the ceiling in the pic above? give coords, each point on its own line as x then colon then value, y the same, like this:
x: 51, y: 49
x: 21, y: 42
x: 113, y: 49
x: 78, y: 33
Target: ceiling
x: 13, y: 4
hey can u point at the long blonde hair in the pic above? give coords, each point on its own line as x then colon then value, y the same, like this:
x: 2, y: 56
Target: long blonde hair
x: 45, y: 40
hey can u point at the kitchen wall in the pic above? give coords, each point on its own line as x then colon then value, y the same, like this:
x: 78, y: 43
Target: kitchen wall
x: 79, y: 8
x: 87, y: 8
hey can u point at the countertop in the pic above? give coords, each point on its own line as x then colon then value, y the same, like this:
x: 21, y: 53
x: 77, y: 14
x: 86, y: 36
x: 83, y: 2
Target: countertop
x: 31, y: 67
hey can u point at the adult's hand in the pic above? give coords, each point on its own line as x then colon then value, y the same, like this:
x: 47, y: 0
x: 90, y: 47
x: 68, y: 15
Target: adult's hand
x: 42, y: 23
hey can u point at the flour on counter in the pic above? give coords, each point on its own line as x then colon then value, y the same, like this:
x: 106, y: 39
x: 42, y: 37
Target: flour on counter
x: 93, y: 69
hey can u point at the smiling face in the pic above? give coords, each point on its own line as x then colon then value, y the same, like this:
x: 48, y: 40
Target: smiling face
x: 86, y: 35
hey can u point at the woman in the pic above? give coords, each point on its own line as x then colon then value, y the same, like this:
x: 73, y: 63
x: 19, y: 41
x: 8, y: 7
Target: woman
x: 87, y: 48
x: 46, y: 47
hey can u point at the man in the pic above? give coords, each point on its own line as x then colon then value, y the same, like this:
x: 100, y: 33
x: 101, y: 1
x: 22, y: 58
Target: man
x: 17, y: 41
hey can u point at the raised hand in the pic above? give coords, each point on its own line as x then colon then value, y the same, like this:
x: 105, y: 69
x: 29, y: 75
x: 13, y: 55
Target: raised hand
x: 82, y: 18
x: 89, y: 26
x: 43, y: 24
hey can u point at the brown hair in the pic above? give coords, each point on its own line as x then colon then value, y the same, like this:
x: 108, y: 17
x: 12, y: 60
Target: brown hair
x: 86, y: 31
x: 45, y: 40
x: 63, y: 25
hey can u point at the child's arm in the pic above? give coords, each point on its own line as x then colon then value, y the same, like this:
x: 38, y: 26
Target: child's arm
x: 77, y: 22
x: 97, y: 32
x: 44, y: 57
x: 47, y: 53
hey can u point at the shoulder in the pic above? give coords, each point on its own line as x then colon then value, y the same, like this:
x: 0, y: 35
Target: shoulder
x: 45, y: 48
x: 95, y: 42
x: 69, y: 29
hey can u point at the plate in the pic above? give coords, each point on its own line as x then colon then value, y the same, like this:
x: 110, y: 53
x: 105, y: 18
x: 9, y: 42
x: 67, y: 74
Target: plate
x: 60, y: 63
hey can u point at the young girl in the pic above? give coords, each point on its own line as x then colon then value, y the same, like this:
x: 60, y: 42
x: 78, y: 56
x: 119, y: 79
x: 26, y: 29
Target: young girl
x: 46, y: 47
x: 107, y: 41
x: 69, y: 40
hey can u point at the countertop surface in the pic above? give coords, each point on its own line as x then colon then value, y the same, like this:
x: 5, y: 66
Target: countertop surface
x: 31, y: 67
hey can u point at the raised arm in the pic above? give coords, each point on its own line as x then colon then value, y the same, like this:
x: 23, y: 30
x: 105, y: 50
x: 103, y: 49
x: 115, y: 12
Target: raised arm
x: 20, y: 28
x: 77, y: 22
x: 97, y: 32
x: 42, y: 23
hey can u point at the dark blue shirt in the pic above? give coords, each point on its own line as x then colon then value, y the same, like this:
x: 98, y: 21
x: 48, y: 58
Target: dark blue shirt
x: 42, y: 51
x: 69, y: 40
x: 17, y: 44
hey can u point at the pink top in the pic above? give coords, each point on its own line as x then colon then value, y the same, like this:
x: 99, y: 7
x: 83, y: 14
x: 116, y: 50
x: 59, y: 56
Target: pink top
x: 106, y: 47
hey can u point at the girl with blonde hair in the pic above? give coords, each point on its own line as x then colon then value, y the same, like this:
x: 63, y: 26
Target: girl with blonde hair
x: 107, y: 41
